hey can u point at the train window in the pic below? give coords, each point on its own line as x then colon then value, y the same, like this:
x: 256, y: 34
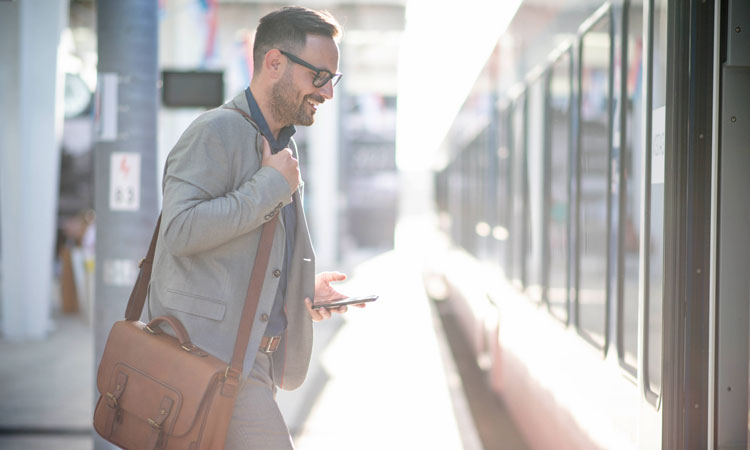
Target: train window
x: 558, y: 197
x: 480, y: 195
x: 631, y: 183
x: 535, y: 125
x: 482, y: 170
x: 503, y: 189
x: 490, y: 213
x: 593, y: 182
x: 454, y: 198
x: 655, y: 197
x: 471, y: 198
x: 480, y: 221
x: 439, y: 184
x: 467, y: 181
x: 467, y: 233
x: 518, y: 192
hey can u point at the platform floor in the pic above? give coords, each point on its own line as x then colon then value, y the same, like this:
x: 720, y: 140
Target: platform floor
x: 382, y: 377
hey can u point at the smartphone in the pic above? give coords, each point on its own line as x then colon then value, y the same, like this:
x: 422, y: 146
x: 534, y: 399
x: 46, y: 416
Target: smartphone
x: 346, y: 301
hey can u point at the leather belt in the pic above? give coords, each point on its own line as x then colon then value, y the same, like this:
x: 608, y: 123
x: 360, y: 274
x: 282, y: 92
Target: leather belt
x: 269, y: 344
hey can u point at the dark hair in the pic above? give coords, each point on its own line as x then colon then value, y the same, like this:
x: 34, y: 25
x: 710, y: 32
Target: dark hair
x: 287, y: 29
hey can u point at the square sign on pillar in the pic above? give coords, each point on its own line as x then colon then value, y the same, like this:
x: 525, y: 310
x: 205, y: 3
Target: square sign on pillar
x: 125, y: 181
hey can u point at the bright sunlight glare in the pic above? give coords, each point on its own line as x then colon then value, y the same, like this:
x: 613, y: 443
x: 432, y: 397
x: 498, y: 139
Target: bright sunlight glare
x: 444, y: 48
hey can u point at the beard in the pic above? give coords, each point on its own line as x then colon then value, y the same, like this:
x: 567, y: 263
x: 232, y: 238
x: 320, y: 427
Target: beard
x: 285, y: 109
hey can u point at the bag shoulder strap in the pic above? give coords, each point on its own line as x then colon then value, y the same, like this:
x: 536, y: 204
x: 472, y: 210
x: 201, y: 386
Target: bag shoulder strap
x: 138, y: 294
x: 253, y: 295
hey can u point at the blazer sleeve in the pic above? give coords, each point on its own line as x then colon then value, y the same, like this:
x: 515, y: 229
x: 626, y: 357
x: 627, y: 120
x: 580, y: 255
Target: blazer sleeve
x: 202, y: 208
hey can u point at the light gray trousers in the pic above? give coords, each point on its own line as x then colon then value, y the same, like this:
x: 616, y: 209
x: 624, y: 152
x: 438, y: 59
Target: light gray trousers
x: 257, y: 423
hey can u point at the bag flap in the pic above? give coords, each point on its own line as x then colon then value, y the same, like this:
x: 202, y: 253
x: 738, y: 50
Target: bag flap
x: 147, y: 398
x: 157, y: 367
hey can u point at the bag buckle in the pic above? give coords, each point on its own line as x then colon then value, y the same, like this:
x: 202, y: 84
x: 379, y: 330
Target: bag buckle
x: 230, y: 385
x: 191, y: 348
x: 150, y: 330
x: 154, y: 425
x: 271, y: 341
x: 114, y: 404
x: 228, y: 369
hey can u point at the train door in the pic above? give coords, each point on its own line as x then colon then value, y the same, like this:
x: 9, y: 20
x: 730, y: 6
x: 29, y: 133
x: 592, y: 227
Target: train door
x: 731, y: 300
x: 706, y: 347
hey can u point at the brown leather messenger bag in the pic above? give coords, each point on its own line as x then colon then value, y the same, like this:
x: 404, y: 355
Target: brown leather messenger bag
x: 163, y: 392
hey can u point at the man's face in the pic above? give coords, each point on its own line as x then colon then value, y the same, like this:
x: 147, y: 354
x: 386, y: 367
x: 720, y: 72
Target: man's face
x: 294, y: 98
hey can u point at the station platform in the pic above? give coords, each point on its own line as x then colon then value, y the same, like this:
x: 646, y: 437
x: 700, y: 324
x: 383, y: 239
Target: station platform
x: 381, y: 377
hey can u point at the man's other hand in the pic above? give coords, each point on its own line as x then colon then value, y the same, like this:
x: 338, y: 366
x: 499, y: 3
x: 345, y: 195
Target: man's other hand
x: 284, y: 162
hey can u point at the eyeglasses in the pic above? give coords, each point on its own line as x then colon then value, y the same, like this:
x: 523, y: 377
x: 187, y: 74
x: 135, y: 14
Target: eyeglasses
x: 322, y: 76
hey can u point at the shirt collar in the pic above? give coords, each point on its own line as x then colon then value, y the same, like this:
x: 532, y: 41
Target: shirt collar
x: 285, y: 134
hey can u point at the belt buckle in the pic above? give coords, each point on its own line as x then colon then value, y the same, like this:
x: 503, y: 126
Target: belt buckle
x: 267, y: 348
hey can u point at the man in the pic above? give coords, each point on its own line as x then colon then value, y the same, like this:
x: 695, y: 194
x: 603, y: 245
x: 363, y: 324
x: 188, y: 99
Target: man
x: 227, y: 176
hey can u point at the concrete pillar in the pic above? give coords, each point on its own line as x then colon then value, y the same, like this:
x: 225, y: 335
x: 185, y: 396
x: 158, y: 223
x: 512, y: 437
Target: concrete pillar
x: 30, y: 132
x: 125, y: 159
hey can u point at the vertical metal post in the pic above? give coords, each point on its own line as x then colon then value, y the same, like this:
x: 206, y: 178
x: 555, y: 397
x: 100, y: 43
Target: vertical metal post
x: 126, y: 196
x: 733, y: 294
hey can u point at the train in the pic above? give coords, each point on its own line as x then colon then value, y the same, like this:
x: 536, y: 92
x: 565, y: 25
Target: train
x: 592, y: 199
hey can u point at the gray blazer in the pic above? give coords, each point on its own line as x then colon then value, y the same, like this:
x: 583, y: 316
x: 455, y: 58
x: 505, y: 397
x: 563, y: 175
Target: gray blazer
x: 216, y: 197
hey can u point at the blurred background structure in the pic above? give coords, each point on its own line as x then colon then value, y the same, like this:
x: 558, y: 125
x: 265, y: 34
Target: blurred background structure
x: 550, y: 198
x: 79, y: 149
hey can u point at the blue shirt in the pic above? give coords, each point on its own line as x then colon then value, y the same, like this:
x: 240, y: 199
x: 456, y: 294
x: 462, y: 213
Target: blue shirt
x: 277, y: 319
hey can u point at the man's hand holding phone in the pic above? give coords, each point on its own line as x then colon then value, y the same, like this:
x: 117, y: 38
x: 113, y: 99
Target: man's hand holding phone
x: 328, y: 300
x: 355, y: 301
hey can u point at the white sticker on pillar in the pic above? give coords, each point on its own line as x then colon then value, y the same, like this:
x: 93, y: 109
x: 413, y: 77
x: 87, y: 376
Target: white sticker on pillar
x: 119, y: 272
x: 658, y: 144
x: 106, y: 107
x: 125, y: 181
